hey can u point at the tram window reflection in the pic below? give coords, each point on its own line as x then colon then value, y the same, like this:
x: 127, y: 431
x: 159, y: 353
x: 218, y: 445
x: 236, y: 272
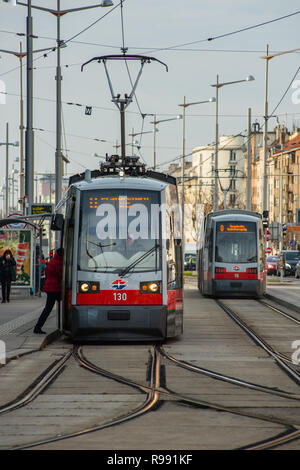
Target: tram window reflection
x: 110, y: 241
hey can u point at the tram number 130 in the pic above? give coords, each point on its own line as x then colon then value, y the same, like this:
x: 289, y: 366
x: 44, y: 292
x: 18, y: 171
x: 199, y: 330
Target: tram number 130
x: 120, y: 296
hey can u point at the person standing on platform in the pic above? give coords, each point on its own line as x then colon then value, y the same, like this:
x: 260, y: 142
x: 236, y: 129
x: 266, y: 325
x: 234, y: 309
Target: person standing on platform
x: 8, y: 273
x: 52, y: 286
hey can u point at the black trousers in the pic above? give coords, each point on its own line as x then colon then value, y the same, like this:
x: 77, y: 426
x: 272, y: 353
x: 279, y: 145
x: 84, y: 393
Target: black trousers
x: 5, y: 290
x: 52, y: 297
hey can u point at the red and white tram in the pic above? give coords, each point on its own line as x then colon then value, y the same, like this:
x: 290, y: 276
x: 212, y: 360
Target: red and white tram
x: 231, y: 258
x: 123, y: 276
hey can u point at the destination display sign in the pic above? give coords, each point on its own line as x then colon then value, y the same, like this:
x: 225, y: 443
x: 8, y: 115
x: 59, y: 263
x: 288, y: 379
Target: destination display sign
x: 235, y: 227
x: 129, y: 200
x: 37, y: 209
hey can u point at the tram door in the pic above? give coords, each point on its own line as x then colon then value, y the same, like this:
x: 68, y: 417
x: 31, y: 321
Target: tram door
x: 69, y: 230
x: 208, y: 257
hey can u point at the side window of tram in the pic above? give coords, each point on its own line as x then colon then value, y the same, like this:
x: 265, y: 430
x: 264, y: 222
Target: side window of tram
x: 178, y: 256
x: 261, y: 249
x: 210, y: 244
x: 171, y: 270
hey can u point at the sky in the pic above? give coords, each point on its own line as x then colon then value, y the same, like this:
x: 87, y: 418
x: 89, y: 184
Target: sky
x: 174, y: 32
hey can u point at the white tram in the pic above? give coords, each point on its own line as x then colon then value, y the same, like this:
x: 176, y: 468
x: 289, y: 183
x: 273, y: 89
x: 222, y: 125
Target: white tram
x: 230, y: 255
x: 123, y: 276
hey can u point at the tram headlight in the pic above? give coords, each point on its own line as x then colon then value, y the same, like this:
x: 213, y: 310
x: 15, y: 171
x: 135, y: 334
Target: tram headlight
x: 154, y: 287
x: 150, y: 287
x: 86, y: 287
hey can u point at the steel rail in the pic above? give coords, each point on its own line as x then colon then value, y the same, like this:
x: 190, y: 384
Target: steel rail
x: 279, y: 358
x: 281, y: 312
x: 149, y: 403
x: 226, y: 378
x: 290, y: 434
x: 152, y: 399
x: 37, y: 386
x: 283, y: 438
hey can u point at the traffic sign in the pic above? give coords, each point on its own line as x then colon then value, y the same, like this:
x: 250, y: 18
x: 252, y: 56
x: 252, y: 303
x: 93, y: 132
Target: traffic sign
x: 269, y: 250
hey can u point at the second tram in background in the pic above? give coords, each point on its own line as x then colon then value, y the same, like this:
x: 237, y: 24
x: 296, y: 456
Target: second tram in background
x: 231, y: 257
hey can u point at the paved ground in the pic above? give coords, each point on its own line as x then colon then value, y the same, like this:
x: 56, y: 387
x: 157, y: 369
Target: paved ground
x: 79, y: 400
x: 17, y: 320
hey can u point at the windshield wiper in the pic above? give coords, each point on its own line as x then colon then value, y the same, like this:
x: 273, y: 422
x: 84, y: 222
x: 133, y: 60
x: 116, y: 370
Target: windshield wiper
x: 100, y: 244
x: 141, y: 258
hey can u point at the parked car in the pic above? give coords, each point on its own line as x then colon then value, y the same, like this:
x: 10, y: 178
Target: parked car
x: 272, y: 264
x: 290, y: 259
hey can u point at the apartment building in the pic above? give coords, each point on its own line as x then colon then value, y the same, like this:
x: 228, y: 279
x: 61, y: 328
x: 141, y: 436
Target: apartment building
x: 231, y: 172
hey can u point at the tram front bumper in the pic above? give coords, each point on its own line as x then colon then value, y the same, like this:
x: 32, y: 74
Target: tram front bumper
x: 236, y: 287
x: 126, y: 323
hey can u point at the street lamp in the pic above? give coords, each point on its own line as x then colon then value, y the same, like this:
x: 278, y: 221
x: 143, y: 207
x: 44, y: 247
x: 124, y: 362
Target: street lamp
x: 58, y: 154
x: 268, y: 57
x: 155, y: 122
x: 218, y: 85
x: 7, y: 143
x: 134, y: 134
x: 20, y: 55
x: 186, y: 105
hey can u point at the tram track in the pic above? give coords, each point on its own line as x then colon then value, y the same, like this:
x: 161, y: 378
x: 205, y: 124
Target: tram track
x: 282, y: 360
x: 279, y: 311
x: 292, y: 431
x: 38, y: 386
x: 151, y: 401
x: 153, y: 393
x: 228, y: 379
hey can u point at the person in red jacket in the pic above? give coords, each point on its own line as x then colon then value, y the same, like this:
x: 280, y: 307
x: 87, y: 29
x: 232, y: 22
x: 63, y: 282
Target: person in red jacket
x: 52, y: 287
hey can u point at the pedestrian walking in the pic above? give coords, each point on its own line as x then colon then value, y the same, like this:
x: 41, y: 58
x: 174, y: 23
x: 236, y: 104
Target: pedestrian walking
x: 8, y: 273
x: 52, y: 286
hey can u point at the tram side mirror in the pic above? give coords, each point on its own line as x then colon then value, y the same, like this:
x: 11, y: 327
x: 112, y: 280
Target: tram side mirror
x: 57, y: 222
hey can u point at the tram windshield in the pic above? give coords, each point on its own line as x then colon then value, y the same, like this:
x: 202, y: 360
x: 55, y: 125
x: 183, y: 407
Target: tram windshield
x: 119, y: 231
x: 236, y: 242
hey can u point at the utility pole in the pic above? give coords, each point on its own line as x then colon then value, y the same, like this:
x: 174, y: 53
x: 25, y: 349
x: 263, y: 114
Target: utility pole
x: 7, y: 144
x: 281, y: 218
x: 29, y: 143
x: 266, y: 117
x: 215, y: 201
x: 183, y: 170
x: 6, y: 175
x: 58, y: 155
x: 21, y: 156
x: 248, y: 202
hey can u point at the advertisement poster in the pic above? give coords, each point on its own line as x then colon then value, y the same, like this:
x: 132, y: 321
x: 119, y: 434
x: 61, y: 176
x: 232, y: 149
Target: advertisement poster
x: 19, y: 242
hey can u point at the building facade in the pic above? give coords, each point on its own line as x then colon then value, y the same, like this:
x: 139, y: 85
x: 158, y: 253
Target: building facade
x: 230, y: 172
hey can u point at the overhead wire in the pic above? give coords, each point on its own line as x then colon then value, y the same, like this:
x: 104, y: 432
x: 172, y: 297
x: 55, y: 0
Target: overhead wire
x: 176, y: 46
x: 71, y: 38
x: 279, y: 102
x: 227, y: 34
